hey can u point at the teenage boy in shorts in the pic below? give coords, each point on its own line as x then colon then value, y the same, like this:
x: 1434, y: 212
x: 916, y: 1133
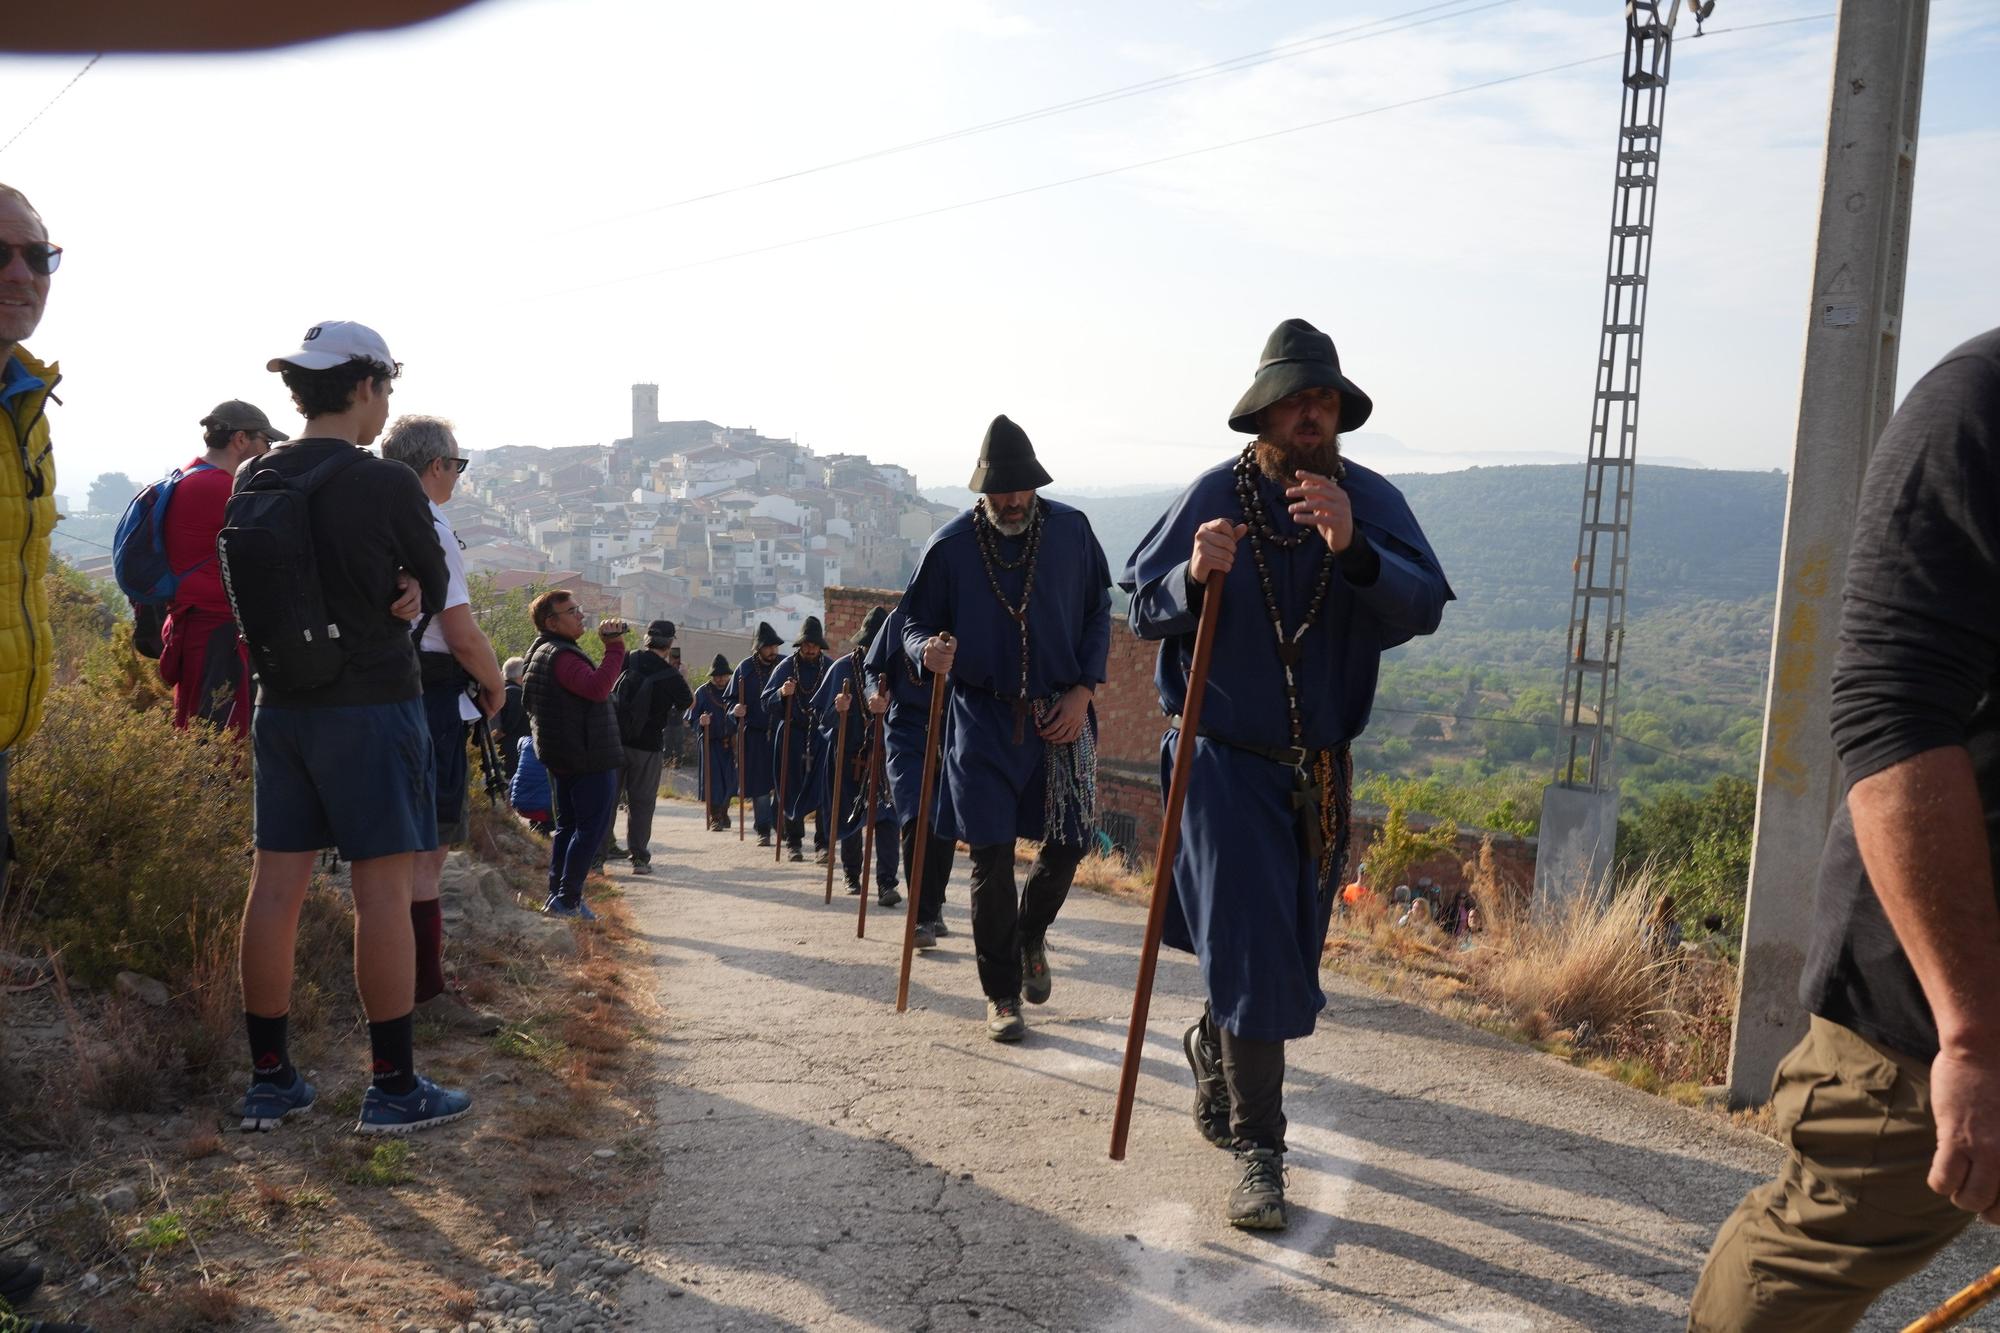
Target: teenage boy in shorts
x: 347, y: 765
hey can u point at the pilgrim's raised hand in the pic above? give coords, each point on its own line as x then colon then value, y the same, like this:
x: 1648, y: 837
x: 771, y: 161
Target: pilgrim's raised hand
x: 1066, y: 723
x: 740, y: 711
x: 840, y: 702
x: 705, y: 719
x: 940, y: 650
x: 788, y: 689
x: 878, y: 703
x: 1214, y: 548
x: 1319, y: 502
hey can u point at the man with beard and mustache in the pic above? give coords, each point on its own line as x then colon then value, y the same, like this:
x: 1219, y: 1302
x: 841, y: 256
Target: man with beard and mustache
x: 798, y: 678
x: 745, y: 698
x: 1336, y: 572
x: 1013, y: 599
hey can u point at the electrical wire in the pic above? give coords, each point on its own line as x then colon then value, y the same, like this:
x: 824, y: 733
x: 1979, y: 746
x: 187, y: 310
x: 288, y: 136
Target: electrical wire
x: 51, y: 102
x: 1282, y: 51
x: 941, y: 209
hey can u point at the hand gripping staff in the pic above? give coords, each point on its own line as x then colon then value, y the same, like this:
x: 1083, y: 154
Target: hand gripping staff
x: 868, y: 829
x: 741, y: 799
x: 1960, y: 1306
x: 839, y: 763
x: 1163, y: 862
x: 926, y: 791
x: 784, y: 770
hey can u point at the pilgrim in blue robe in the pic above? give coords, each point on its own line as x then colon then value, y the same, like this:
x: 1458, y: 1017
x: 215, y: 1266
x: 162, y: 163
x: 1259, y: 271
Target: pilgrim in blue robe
x: 853, y: 761
x: 908, y: 725
x: 994, y: 759
x: 715, y: 749
x: 1247, y: 900
x: 801, y: 777
x: 746, y: 688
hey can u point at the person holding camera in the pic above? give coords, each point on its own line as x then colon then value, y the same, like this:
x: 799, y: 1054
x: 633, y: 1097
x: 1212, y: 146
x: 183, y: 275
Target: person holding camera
x: 575, y: 729
x: 458, y: 666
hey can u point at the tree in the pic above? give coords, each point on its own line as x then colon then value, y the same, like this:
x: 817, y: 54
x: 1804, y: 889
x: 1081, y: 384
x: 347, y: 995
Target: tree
x: 111, y: 492
x: 503, y: 615
x: 1398, y: 847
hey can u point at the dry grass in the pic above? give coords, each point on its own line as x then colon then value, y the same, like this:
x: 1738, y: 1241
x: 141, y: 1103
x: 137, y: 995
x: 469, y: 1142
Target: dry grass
x: 1582, y: 965
x: 1110, y: 874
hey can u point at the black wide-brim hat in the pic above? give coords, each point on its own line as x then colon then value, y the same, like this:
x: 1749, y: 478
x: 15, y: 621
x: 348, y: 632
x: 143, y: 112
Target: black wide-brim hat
x: 870, y: 627
x: 1298, y: 357
x: 719, y: 667
x: 812, y: 632
x: 768, y: 637
x: 1007, y: 462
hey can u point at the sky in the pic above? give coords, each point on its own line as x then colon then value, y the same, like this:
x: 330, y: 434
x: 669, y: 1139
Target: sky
x: 502, y: 194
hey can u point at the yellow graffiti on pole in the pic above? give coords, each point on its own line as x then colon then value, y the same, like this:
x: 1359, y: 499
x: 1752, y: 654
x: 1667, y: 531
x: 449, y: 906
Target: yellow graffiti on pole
x: 1798, y: 670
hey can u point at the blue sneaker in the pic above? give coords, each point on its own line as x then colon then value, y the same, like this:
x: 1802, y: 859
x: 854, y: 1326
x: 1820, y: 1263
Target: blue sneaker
x: 583, y: 910
x: 557, y: 907
x: 425, y: 1106
x: 266, y: 1105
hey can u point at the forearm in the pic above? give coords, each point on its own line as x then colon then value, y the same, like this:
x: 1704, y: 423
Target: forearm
x: 574, y: 675
x: 470, y: 646
x: 1922, y: 834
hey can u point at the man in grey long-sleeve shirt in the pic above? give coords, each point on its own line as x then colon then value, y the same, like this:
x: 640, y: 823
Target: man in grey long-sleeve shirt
x: 1891, y: 1104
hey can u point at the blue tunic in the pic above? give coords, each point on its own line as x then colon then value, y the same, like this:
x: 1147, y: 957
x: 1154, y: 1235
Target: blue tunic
x: 854, y: 775
x: 998, y: 781
x: 1247, y: 899
x: 804, y: 790
x: 715, y: 748
x: 909, y: 721
x: 746, y: 687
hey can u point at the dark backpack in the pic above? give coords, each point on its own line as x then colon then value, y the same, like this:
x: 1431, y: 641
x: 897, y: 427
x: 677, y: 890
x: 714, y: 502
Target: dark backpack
x: 271, y: 574
x: 139, y: 559
x: 631, y: 699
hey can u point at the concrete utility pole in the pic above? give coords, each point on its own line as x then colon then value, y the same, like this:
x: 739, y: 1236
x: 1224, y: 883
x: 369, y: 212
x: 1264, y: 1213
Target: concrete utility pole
x: 1852, y: 337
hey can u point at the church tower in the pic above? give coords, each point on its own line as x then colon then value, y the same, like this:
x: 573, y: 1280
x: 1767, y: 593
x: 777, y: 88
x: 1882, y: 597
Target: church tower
x: 645, y: 410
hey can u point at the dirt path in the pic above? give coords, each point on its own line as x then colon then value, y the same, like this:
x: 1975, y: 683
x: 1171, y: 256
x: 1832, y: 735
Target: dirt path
x: 828, y: 1163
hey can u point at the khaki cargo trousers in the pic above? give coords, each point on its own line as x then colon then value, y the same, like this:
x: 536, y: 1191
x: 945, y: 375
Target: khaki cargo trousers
x: 1850, y: 1214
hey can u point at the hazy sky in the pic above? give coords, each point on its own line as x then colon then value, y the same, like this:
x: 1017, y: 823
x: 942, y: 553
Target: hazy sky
x: 489, y: 192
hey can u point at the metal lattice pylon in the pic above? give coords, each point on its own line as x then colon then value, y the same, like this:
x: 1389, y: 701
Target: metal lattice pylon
x: 1603, y: 544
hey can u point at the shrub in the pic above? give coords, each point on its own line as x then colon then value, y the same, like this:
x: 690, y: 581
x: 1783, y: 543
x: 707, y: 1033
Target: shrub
x: 1582, y: 962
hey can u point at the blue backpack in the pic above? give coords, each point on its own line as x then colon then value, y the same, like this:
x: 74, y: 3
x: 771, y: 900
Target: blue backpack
x: 139, y: 548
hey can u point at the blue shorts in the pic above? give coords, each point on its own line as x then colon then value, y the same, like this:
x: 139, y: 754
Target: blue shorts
x: 447, y: 732
x: 357, y: 778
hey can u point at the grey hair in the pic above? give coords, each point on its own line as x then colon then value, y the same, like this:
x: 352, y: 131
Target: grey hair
x: 9, y: 192
x: 514, y: 668
x: 417, y: 442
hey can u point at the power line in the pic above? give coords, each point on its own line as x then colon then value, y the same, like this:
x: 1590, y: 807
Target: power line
x: 52, y: 101
x: 1137, y: 166
x: 1282, y: 51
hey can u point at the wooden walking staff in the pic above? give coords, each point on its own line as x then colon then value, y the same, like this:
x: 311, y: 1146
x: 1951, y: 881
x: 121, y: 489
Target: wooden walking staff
x: 707, y: 773
x: 1163, y: 863
x: 741, y: 782
x: 1967, y: 1302
x: 926, y: 790
x: 839, y: 763
x: 868, y: 824
x: 784, y: 770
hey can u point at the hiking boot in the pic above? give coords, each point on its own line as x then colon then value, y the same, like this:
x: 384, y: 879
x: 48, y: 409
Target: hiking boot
x: 1211, y: 1093
x: 764, y: 838
x: 18, y: 1279
x: 453, y: 1014
x: 642, y: 867
x: 854, y: 886
x: 1035, y: 980
x: 1003, y: 1020
x: 887, y: 896
x: 425, y: 1106
x: 1258, y: 1201
x: 938, y: 928
x: 821, y: 856
x: 926, y: 938
x: 266, y: 1105
x: 796, y: 855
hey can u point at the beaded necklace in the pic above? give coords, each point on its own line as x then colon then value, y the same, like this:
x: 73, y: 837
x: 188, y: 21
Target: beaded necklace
x: 988, y: 537
x: 1258, y: 518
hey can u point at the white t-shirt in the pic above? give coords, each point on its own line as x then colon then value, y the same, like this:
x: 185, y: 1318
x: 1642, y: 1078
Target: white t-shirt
x: 455, y: 594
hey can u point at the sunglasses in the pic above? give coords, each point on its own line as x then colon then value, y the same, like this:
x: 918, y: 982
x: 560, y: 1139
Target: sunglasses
x: 456, y: 464
x: 41, y: 258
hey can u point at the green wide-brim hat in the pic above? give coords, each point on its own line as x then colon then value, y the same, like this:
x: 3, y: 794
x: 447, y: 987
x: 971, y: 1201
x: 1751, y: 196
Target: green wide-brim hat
x: 1298, y: 357
x: 811, y: 632
x: 1007, y: 462
x: 870, y: 627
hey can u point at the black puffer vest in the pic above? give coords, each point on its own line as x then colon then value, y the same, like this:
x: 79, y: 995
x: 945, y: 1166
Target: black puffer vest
x: 572, y: 734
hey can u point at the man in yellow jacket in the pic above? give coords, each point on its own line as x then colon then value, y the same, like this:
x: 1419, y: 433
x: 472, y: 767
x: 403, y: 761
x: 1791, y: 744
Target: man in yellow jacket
x: 27, y: 483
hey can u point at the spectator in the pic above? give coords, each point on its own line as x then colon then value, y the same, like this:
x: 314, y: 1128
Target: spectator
x: 576, y: 734
x: 528, y: 790
x: 201, y: 653
x: 346, y: 763
x: 1889, y: 1107
x: 512, y: 724
x: 649, y: 692
x: 456, y: 663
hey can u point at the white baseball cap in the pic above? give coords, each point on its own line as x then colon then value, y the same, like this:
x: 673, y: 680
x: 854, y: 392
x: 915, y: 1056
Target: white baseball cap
x: 335, y: 342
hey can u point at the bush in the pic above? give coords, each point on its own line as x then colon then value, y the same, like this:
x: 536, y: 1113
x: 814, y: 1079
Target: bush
x: 1584, y: 962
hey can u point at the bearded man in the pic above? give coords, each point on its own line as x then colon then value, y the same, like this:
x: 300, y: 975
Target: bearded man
x: 1013, y: 600
x: 1336, y: 572
x: 797, y: 678
x: 745, y: 698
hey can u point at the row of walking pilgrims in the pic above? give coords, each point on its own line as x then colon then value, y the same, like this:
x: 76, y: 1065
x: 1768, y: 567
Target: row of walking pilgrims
x: 1318, y: 567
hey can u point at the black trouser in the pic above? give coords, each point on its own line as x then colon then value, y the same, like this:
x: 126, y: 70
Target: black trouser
x: 1000, y: 924
x: 795, y: 831
x: 939, y: 853
x: 853, y: 845
x: 1255, y: 1073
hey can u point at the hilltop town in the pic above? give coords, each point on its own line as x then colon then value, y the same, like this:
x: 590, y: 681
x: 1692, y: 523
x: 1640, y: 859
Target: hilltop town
x: 713, y: 527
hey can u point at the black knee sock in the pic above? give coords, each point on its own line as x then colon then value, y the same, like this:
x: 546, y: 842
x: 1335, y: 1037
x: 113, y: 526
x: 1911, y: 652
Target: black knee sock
x: 393, y: 1044
x: 270, y: 1062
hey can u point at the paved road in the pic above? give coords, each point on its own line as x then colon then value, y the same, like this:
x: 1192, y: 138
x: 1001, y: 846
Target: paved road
x: 831, y: 1164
